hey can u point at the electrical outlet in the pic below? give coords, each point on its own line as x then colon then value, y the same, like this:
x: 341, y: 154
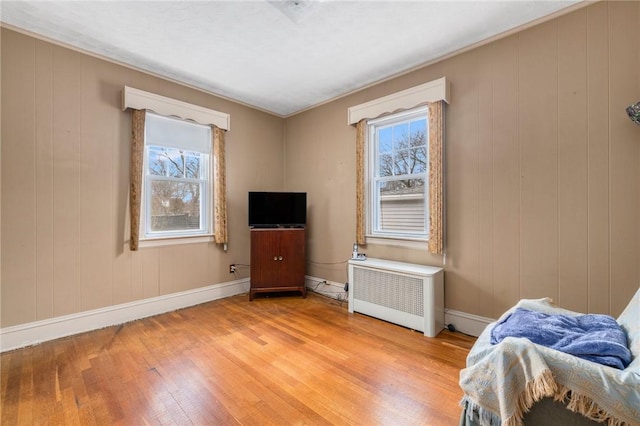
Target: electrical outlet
x: 232, y: 268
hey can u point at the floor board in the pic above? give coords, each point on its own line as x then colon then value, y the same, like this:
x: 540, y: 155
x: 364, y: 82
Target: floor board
x: 276, y: 360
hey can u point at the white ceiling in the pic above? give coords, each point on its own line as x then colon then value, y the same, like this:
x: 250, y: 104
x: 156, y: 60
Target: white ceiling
x: 279, y: 56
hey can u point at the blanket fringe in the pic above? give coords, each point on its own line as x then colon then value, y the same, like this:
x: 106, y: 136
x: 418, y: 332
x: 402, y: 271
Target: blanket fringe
x: 584, y: 405
x: 485, y: 417
x: 542, y: 386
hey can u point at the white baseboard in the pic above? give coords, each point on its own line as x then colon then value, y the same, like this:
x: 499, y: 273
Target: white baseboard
x: 466, y: 323
x: 40, y: 331
x: 32, y: 333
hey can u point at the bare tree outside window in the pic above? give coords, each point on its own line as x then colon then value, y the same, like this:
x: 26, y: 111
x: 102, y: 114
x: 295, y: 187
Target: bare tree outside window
x: 409, y: 158
x: 402, y: 152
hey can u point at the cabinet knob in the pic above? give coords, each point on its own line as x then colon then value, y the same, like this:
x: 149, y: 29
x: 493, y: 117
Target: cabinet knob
x: 279, y: 257
x: 275, y: 257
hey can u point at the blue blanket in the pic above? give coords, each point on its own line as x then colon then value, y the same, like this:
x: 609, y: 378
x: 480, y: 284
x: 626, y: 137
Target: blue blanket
x: 593, y: 337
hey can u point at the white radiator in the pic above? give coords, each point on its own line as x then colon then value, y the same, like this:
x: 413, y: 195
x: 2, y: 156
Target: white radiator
x: 402, y: 293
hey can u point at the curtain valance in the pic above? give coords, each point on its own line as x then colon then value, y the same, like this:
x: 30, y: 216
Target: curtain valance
x: 433, y: 91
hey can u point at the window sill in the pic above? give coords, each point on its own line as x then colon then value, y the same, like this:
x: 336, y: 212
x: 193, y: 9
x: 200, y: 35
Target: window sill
x: 170, y: 241
x: 412, y: 243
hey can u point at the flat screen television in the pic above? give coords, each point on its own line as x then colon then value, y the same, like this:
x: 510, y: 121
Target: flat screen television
x: 277, y: 209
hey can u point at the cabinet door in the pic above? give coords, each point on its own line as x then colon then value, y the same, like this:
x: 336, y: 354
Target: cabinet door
x: 265, y: 246
x: 292, y: 266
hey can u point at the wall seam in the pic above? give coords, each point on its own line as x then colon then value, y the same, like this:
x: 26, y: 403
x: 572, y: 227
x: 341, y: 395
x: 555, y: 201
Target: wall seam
x: 53, y: 186
x: 519, y: 170
x: 479, y: 194
x: 558, y: 185
x: 609, y: 151
x: 588, y: 114
x: 493, y: 188
x: 79, y: 130
x: 35, y: 183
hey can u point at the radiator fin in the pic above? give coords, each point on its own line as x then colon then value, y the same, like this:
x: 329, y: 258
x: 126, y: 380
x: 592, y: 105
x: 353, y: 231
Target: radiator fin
x: 395, y: 291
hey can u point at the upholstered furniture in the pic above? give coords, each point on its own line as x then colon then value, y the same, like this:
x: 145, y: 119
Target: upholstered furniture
x: 516, y: 381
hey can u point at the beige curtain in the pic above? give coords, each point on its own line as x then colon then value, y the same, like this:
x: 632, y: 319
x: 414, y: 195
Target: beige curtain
x: 361, y: 129
x: 220, y: 187
x: 436, y: 177
x: 135, y: 191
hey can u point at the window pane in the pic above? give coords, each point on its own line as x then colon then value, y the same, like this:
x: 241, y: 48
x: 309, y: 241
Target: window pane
x: 401, y: 136
x: 402, y: 206
x: 401, y: 162
x: 174, y: 162
x: 402, y: 186
x: 192, y: 165
x: 410, y: 161
x: 174, y: 205
x: 156, y: 160
x: 385, y: 166
x: 385, y: 140
x: 418, y: 159
x: 418, y: 132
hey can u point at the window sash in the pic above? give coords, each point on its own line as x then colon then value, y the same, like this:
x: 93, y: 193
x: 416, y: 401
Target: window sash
x: 377, y: 208
x: 204, y: 191
x: 202, y: 222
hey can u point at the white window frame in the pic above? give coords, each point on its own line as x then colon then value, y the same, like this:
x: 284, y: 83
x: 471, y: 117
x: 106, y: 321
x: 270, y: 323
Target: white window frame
x: 206, y: 194
x: 373, y: 202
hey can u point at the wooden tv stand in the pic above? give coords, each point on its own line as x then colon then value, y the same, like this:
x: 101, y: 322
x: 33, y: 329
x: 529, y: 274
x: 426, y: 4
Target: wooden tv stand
x: 277, y: 260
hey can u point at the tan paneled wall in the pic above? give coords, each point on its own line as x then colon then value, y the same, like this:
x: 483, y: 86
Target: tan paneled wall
x: 542, y: 178
x: 65, y: 166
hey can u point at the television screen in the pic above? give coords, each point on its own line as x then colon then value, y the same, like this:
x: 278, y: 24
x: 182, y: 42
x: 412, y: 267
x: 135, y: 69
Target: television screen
x: 273, y: 209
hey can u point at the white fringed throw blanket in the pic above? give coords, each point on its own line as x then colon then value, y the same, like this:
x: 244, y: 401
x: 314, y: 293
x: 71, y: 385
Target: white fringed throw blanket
x: 503, y: 381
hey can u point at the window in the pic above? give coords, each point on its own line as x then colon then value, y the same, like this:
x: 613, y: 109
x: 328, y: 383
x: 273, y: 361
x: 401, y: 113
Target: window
x: 177, y: 188
x: 371, y: 189
x: 398, y: 175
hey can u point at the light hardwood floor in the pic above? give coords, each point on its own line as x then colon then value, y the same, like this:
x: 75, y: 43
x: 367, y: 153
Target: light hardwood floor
x: 277, y: 360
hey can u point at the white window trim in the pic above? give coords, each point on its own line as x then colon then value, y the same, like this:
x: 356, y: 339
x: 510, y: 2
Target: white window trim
x: 170, y: 241
x: 389, y: 238
x: 410, y: 243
